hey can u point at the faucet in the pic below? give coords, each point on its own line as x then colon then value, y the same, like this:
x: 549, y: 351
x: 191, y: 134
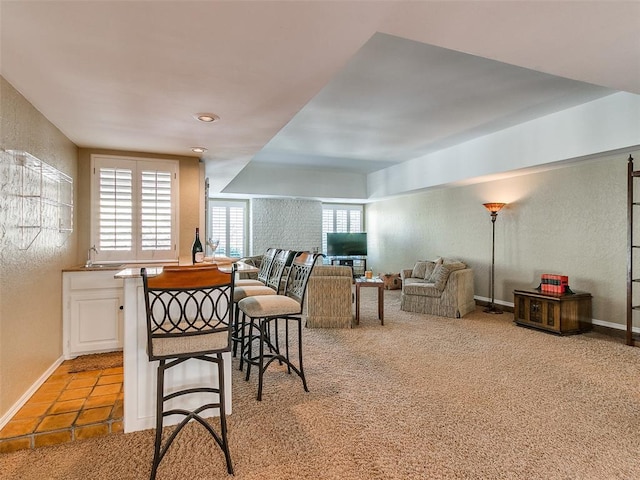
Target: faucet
x: 89, y: 260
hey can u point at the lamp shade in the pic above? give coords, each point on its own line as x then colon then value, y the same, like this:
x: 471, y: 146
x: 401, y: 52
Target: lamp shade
x: 494, y: 207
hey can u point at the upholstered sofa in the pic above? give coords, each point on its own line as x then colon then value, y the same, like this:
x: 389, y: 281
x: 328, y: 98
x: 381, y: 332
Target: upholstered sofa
x: 442, y: 287
x: 328, y: 299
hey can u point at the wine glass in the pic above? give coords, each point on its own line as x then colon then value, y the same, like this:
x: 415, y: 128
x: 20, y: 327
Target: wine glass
x: 213, y: 245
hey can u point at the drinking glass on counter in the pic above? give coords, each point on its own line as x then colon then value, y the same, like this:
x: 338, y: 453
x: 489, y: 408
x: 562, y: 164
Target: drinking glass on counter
x: 213, y: 245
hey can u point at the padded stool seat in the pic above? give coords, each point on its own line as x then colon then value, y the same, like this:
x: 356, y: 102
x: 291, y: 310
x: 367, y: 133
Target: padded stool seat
x: 269, y: 305
x: 240, y: 293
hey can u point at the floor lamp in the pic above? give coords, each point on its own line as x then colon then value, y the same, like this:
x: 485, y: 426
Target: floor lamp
x: 494, y: 208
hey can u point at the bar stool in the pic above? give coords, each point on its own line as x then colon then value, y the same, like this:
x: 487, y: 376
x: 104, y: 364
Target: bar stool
x: 273, y: 286
x: 263, y: 273
x: 262, y: 281
x: 263, y: 310
x: 189, y: 316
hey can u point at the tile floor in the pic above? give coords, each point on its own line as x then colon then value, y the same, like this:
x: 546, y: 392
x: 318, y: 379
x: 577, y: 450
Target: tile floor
x: 67, y: 407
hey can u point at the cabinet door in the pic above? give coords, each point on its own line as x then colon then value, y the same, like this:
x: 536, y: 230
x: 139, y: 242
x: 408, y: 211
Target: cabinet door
x: 551, y: 317
x: 544, y: 313
x: 96, y: 321
x: 536, y: 314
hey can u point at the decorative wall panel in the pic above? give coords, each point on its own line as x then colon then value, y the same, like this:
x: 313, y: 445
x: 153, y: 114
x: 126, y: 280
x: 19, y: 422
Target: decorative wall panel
x: 39, y: 200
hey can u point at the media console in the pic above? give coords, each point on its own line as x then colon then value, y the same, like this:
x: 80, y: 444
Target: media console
x: 358, y: 264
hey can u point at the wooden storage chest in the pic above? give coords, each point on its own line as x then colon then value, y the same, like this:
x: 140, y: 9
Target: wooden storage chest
x: 564, y: 314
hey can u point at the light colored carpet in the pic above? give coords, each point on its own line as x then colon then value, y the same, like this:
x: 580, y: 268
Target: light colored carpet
x: 421, y: 397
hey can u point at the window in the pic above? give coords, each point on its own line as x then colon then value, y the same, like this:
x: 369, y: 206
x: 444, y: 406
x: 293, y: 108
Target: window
x: 134, y: 214
x: 341, y: 219
x: 227, y: 224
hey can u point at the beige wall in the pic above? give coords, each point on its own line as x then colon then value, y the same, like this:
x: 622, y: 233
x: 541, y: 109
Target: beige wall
x: 30, y: 280
x: 31, y: 331
x: 571, y: 221
x: 191, y: 198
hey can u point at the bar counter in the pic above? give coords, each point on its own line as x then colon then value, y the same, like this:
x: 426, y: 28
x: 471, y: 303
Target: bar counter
x: 140, y: 373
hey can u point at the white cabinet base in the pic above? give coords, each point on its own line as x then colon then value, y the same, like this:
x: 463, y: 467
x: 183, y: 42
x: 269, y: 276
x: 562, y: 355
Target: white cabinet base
x: 140, y: 374
x: 92, y: 313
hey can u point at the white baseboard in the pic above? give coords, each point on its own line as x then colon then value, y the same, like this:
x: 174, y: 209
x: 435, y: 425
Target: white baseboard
x: 488, y: 300
x: 615, y: 326
x: 594, y: 321
x: 27, y: 395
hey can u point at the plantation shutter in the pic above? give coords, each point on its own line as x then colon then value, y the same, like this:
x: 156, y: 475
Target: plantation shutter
x: 155, y: 215
x: 134, y: 209
x: 340, y: 219
x: 355, y: 221
x: 327, y: 226
x: 236, y: 231
x: 218, y: 227
x: 342, y: 222
x: 227, y: 223
x: 115, y: 208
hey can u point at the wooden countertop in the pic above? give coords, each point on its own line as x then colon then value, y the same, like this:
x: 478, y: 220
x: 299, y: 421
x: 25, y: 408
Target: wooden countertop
x: 117, y: 266
x: 98, y: 267
x: 134, y: 272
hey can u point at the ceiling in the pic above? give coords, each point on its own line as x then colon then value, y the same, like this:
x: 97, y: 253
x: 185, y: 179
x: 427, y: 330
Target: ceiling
x: 347, y: 87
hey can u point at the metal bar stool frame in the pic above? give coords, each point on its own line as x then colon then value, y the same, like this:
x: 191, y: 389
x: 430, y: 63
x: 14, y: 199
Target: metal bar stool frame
x: 264, y: 271
x: 191, y: 305
x: 273, y: 286
x: 264, y: 280
x: 261, y: 311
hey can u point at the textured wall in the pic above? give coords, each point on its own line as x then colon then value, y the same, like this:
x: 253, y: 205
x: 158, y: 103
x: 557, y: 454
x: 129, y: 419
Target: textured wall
x: 30, y: 280
x: 285, y: 223
x: 570, y: 220
x: 31, y: 331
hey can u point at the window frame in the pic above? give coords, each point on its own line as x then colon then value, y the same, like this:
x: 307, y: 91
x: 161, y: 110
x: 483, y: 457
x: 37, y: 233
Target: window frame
x: 229, y: 203
x: 137, y: 165
x: 335, y: 207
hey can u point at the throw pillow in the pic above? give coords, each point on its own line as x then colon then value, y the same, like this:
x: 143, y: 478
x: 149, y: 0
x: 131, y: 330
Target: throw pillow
x: 456, y: 266
x: 391, y: 281
x: 419, y: 270
x: 440, y: 276
x: 441, y: 273
x: 431, y: 266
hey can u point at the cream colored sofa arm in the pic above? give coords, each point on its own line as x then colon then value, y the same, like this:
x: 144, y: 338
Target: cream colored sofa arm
x: 459, y: 292
x: 406, y: 273
x: 331, y: 271
x: 328, y: 299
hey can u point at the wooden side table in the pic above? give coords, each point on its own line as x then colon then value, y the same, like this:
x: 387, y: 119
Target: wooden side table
x: 558, y: 313
x: 370, y: 282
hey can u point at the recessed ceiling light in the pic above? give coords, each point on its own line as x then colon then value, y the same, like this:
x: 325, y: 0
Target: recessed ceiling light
x: 198, y: 149
x: 207, y: 117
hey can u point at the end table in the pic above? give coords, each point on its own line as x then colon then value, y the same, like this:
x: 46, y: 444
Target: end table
x: 370, y: 282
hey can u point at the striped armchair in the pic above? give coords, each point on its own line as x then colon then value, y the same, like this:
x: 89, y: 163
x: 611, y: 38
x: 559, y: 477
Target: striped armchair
x: 443, y: 289
x: 328, y: 303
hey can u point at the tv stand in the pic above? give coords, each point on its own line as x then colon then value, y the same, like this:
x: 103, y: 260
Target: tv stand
x: 358, y: 264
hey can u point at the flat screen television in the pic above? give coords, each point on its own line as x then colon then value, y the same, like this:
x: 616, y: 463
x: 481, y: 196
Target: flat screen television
x: 346, y: 244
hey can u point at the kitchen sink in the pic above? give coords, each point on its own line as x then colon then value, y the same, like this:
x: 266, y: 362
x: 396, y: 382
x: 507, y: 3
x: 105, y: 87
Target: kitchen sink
x: 105, y: 266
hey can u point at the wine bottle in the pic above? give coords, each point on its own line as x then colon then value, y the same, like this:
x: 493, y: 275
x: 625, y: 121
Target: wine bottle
x: 197, y: 252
